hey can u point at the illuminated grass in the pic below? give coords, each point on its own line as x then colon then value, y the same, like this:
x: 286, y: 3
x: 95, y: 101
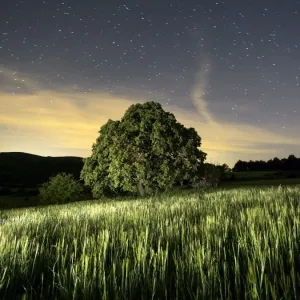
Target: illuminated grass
x: 238, y: 244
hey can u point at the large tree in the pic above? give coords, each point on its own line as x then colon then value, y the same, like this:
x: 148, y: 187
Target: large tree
x: 147, y: 151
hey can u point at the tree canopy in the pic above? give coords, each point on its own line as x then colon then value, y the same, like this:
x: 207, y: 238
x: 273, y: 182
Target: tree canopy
x: 147, y: 151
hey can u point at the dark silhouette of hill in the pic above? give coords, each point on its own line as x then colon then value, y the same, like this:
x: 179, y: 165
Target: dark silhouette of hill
x: 29, y: 170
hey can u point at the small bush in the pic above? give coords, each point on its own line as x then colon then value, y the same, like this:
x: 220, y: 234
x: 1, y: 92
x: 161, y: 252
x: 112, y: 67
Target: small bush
x: 210, y: 177
x: 62, y: 188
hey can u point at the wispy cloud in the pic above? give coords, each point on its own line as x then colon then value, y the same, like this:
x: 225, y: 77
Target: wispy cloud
x: 199, y: 89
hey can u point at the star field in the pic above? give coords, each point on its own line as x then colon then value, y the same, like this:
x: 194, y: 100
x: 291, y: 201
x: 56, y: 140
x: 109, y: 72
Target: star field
x: 240, y: 59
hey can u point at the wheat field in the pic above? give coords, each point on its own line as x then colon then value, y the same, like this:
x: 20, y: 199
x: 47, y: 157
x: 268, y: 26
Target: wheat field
x: 213, y: 244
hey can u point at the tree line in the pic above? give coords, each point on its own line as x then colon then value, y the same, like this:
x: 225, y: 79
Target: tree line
x: 292, y: 163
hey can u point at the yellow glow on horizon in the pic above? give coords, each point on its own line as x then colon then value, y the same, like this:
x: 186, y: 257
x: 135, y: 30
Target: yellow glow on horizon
x: 64, y: 123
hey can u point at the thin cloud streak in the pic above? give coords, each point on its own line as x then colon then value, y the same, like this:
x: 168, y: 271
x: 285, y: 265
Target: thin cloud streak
x: 198, y: 91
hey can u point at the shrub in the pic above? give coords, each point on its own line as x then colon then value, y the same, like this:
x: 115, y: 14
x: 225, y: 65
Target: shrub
x: 210, y: 176
x: 62, y: 188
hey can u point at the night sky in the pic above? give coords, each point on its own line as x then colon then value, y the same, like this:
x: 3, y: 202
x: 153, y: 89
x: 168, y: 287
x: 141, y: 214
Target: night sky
x: 230, y: 69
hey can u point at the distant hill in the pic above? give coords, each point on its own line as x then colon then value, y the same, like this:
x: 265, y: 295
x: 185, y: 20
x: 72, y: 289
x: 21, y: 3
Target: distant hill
x: 30, y: 170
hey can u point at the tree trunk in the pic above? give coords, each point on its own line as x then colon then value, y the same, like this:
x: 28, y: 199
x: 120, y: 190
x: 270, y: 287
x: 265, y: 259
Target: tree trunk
x: 141, y: 189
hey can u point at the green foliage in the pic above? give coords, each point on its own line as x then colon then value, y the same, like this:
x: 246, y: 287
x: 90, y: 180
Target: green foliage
x: 61, y: 188
x: 147, y: 151
x: 95, y: 171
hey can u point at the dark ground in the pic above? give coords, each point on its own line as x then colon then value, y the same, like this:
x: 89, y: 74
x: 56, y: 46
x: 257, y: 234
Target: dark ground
x: 28, y: 197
